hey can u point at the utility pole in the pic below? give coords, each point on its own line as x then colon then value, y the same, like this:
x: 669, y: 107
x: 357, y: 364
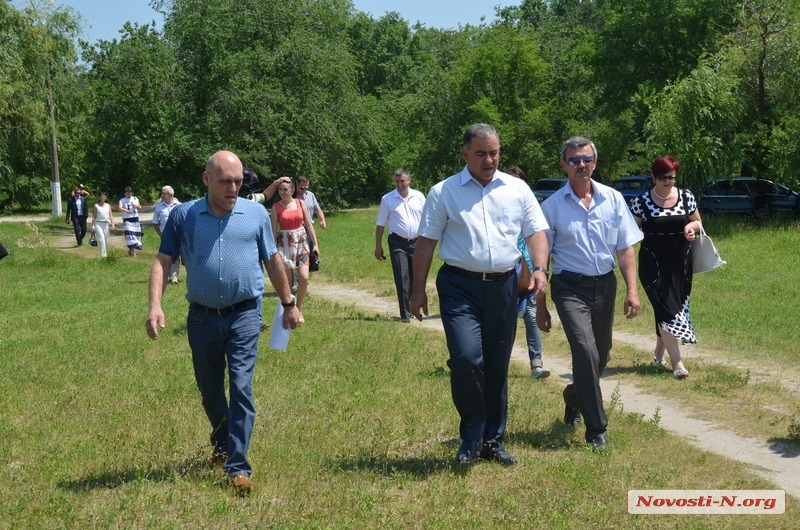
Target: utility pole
x: 55, y: 179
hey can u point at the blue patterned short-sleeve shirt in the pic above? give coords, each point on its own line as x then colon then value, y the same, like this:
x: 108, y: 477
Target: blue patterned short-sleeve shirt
x: 223, y: 256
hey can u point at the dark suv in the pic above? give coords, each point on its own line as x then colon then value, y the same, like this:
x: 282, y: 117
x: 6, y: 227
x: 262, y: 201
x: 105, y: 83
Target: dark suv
x: 543, y: 188
x: 748, y: 195
x: 632, y: 187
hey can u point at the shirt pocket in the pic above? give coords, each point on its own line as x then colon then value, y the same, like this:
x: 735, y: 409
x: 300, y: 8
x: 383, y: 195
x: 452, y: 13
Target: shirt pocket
x: 611, y: 233
x: 509, y: 219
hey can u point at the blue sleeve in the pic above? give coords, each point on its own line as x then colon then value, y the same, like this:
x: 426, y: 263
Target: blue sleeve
x: 523, y: 247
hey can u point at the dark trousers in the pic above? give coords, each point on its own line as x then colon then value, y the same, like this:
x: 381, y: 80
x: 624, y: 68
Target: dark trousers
x: 401, y: 252
x: 586, y: 309
x: 79, y: 225
x: 480, y: 323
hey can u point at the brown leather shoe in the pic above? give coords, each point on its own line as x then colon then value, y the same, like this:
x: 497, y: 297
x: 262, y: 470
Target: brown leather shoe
x: 241, y: 483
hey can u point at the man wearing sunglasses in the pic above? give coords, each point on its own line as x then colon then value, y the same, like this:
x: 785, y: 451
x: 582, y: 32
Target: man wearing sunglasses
x: 590, y: 224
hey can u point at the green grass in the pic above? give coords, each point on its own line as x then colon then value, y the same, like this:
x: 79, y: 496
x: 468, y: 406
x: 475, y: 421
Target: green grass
x: 103, y: 428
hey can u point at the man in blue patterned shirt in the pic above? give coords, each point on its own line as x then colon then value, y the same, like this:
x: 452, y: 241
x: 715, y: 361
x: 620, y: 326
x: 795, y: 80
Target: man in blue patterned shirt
x: 223, y: 241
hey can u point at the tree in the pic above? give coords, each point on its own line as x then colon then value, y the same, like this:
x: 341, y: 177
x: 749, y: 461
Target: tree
x: 699, y: 119
x: 767, y: 34
x: 140, y: 136
x: 38, y: 55
x: 736, y: 113
x: 276, y: 82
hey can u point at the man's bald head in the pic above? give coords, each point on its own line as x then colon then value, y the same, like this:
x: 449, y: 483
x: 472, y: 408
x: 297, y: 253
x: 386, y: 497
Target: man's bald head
x: 224, y: 177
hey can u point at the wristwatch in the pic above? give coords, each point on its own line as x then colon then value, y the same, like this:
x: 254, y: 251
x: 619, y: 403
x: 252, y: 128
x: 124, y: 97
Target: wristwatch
x: 545, y: 271
x: 287, y: 305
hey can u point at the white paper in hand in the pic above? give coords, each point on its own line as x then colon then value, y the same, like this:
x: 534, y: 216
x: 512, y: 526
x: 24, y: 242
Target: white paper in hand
x: 279, y: 339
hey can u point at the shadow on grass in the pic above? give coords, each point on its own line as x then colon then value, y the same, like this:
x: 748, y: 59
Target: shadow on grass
x: 436, y: 371
x: 196, y: 468
x: 638, y: 369
x: 556, y: 437
x: 786, y: 447
x: 180, y: 329
x: 54, y: 232
x: 388, y: 466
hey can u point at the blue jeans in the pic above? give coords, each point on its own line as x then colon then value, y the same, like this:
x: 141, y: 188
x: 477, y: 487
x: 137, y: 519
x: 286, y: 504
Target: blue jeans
x: 217, y: 340
x: 532, y: 333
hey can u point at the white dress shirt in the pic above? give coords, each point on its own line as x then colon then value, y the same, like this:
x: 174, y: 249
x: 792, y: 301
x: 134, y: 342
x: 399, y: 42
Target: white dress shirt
x: 401, y: 214
x: 478, y: 227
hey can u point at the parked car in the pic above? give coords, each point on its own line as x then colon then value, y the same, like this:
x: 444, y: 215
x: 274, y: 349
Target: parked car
x: 632, y: 187
x: 543, y: 188
x: 748, y: 195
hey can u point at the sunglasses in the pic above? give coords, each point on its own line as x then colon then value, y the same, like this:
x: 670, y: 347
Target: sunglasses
x: 666, y: 178
x: 575, y: 160
x: 303, y: 187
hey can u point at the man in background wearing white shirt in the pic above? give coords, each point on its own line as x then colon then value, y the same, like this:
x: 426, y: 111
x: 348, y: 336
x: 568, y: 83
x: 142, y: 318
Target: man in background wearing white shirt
x: 400, y: 209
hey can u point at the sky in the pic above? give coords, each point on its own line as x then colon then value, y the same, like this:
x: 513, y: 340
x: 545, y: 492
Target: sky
x: 104, y: 18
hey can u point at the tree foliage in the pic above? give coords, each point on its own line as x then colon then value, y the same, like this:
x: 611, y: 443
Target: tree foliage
x: 35, y: 48
x: 317, y: 88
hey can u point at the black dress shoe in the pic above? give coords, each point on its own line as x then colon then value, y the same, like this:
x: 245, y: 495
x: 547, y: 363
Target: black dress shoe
x: 495, y: 451
x: 468, y: 452
x: 572, y: 416
x: 600, y: 442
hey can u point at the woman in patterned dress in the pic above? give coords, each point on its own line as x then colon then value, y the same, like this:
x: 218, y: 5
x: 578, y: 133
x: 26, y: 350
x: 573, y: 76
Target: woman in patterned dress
x: 132, y: 229
x: 670, y: 220
x: 291, y: 224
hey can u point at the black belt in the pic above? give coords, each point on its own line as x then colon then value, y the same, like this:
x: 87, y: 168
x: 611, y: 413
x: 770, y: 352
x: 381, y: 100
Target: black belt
x: 402, y: 238
x: 223, y: 310
x: 485, y: 276
x: 575, y: 277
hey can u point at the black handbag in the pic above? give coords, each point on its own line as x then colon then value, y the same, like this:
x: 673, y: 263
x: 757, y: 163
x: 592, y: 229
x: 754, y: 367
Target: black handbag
x: 3, y: 251
x: 313, y: 262
x: 93, y: 240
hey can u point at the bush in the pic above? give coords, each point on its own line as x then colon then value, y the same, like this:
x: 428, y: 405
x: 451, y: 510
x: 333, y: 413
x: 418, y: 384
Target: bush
x: 24, y: 192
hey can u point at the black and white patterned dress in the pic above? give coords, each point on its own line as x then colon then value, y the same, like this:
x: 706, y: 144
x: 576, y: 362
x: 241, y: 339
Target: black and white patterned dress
x: 665, y: 265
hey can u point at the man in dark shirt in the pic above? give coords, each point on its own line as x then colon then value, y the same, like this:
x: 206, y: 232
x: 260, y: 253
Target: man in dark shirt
x: 77, y: 210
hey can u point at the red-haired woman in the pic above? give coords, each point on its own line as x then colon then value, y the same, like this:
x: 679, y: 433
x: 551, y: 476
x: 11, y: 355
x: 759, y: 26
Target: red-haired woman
x: 670, y: 221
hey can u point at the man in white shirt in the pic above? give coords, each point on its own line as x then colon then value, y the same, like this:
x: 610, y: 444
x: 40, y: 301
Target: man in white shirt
x: 477, y: 216
x: 161, y: 213
x: 400, y: 209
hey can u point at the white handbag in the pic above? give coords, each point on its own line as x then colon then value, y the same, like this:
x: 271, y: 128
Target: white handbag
x: 705, y: 256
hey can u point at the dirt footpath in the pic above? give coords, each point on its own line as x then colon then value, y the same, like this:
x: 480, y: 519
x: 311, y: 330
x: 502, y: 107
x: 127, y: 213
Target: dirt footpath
x: 771, y: 463
x: 117, y: 240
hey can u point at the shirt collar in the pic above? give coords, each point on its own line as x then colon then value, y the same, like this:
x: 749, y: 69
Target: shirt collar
x: 205, y: 208
x: 465, y: 176
x: 396, y: 193
x: 598, y: 191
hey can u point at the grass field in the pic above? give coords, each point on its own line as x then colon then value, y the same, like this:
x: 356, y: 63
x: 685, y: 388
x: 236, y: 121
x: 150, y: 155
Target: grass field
x: 103, y: 428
